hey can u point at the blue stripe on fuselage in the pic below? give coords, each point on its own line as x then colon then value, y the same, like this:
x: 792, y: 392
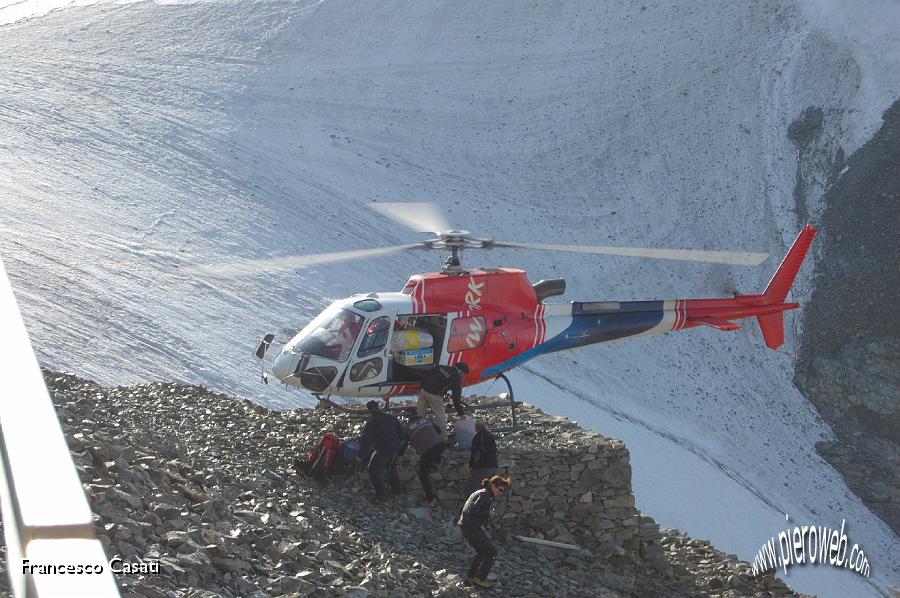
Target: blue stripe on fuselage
x: 513, y: 362
x: 631, y: 318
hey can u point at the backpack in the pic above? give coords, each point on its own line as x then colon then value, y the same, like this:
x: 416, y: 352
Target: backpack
x: 350, y: 450
x: 323, y: 455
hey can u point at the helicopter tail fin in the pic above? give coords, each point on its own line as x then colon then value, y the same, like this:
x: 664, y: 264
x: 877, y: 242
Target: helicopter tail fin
x: 781, y: 282
x: 772, y: 324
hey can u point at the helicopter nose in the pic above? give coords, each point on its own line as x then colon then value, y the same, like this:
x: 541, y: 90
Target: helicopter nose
x: 281, y: 367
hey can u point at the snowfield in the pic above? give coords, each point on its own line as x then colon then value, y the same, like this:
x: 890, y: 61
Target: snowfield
x: 140, y: 139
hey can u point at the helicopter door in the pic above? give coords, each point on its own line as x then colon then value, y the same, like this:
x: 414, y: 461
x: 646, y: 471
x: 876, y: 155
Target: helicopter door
x: 416, y: 346
x: 370, y: 364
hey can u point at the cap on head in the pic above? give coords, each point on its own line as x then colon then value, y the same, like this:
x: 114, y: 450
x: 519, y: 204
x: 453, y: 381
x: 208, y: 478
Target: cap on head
x: 462, y: 367
x: 372, y: 405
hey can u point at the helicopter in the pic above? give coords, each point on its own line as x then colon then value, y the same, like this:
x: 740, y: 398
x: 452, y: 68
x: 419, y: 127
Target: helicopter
x: 383, y: 344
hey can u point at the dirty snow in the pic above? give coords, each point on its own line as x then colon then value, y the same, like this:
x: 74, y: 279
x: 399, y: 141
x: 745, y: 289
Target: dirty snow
x: 137, y: 139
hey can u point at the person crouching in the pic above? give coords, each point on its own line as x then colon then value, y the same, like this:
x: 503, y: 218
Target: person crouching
x: 476, y: 513
x: 443, y: 378
x: 383, y: 435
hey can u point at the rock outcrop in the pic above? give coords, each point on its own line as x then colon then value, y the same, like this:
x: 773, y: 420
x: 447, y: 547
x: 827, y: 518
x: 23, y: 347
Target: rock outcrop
x: 849, y: 365
x: 205, y: 484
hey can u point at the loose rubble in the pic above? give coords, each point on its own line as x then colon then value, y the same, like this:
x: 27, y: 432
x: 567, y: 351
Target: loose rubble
x: 206, y: 484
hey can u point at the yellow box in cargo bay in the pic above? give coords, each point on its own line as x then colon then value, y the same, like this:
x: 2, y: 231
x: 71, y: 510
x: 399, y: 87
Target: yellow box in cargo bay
x: 417, y: 357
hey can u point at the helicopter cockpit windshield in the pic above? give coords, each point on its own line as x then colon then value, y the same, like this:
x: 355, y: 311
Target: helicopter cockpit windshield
x: 331, y: 335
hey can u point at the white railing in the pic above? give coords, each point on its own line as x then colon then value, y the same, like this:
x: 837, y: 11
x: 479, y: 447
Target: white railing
x: 46, y: 518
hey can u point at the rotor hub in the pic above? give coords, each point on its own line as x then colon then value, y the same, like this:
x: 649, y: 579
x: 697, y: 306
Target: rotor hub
x: 455, y: 241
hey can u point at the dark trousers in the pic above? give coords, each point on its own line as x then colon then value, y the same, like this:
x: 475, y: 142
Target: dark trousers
x: 485, y: 552
x: 431, y: 457
x: 381, y: 463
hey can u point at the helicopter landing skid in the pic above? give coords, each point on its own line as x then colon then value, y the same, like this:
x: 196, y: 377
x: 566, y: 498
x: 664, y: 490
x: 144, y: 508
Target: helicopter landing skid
x: 506, y: 400
x: 326, y: 403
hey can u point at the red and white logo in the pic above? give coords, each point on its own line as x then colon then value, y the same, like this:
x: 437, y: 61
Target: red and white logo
x: 476, y: 332
x: 473, y: 296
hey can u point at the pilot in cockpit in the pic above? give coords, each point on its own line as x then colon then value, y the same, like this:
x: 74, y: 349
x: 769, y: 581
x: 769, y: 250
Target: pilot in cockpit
x: 347, y: 332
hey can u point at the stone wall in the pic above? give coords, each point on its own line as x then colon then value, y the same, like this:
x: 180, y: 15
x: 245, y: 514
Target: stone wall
x: 569, y: 485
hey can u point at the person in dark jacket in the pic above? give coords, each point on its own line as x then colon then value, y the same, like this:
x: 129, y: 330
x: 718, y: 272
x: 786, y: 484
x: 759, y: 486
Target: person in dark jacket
x: 482, y: 457
x: 442, y: 379
x: 476, y: 513
x: 382, y: 435
x: 425, y: 437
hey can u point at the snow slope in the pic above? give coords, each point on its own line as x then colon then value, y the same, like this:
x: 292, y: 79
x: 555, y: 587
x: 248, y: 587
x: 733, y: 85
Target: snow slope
x: 139, y: 139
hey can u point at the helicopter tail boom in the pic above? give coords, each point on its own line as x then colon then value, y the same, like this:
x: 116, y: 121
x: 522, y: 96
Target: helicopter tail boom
x: 563, y: 327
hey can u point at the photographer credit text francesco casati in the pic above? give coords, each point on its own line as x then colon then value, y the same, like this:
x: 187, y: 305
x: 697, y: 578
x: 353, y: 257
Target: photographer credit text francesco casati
x: 815, y: 544
x: 116, y: 565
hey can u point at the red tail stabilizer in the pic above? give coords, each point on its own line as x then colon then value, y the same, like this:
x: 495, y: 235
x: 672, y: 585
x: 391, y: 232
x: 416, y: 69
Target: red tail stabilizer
x: 716, y: 323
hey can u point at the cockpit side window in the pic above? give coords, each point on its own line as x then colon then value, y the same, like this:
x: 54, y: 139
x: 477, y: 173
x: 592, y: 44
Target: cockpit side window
x: 333, y: 338
x: 376, y: 336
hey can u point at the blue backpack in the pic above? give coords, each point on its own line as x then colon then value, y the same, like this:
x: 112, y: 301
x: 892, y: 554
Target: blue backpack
x: 349, y: 453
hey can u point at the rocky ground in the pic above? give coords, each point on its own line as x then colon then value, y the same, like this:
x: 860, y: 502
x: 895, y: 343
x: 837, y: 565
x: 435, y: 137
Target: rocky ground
x: 206, y: 484
x: 849, y: 365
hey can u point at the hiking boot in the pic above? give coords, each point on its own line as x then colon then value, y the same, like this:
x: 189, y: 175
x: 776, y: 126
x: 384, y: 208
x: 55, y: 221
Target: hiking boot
x: 469, y: 582
x: 482, y: 583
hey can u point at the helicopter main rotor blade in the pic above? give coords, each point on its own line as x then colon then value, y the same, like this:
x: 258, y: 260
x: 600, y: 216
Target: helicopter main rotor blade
x: 294, y: 262
x: 423, y: 217
x: 740, y: 258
